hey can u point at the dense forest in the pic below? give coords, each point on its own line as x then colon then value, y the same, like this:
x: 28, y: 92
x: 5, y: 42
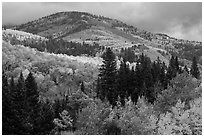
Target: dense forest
x: 149, y: 98
x: 58, y: 46
x: 71, y: 48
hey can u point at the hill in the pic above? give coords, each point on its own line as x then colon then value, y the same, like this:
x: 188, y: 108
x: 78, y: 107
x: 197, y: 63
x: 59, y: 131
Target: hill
x: 64, y: 54
x: 85, y: 27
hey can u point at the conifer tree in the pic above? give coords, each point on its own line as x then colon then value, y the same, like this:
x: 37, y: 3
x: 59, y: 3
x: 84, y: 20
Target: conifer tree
x: 163, y: 77
x: 148, y: 80
x: 171, y: 71
x: 176, y: 64
x: 8, y: 116
x: 131, y: 81
x: 108, y: 77
x: 194, y: 68
x: 122, y: 82
x: 32, y: 102
x: 98, y: 88
x: 19, y: 107
x: 140, y: 79
x: 12, y: 86
x: 46, y: 118
x: 186, y: 69
x: 134, y: 85
x: 82, y: 87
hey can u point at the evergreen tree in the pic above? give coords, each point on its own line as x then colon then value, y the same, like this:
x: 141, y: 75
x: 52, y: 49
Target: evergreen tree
x: 98, y: 88
x: 163, y: 77
x: 148, y: 79
x: 122, y: 80
x: 46, y: 118
x: 57, y: 108
x: 12, y: 86
x: 108, y: 77
x: 172, y: 69
x: 19, y: 107
x: 82, y: 86
x: 194, y: 68
x: 186, y: 69
x: 176, y: 64
x: 32, y: 102
x: 140, y: 78
x: 156, y: 70
x: 133, y: 83
x: 8, y: 117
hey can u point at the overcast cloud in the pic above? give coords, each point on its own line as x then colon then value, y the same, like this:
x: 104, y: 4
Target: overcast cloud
x: 180, y: 20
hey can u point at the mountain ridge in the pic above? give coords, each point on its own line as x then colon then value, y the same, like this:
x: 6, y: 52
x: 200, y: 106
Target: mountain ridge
x: 74, y: 13
x: 89, y: 28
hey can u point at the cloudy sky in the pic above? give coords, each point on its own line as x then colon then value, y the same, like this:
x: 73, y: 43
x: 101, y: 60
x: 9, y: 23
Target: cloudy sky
x: 180, y: 20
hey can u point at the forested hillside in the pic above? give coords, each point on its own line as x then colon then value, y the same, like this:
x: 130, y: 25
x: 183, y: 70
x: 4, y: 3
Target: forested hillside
x: 74, y: 73
x: 65, y: 96
x: 96, y: 29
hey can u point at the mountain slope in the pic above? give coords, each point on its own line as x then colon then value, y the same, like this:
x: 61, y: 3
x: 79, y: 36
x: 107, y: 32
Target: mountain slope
x: 89, y: 28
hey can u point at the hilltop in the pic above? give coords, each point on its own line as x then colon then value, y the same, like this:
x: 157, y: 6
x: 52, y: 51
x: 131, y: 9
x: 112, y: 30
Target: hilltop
x: 85, y: 27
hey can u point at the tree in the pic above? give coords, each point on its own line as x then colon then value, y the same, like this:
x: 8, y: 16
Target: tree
x: 176, y: 64
x: 140, y: 79
x: 46, y: 118
x: 32, y: 102
x: 82, y: 87
x: 108, y: 77
x: 64, y: 122
x: 98, y: 88
x: 171, y: 71
x: 19, y: 108
x: 181, y: 87
x: 133, y: 85
x: 8, y: 117
x: 186, y: 69
x: 194, y: 68
x: 147, y: 87
x: 163, y: 78
x: 122, y: 81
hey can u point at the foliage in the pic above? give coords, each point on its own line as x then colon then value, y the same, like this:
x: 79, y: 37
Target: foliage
x: 46, y: 118
x: 128, y: 54
x: 141, y: 100
x: 8, y: 115
x: 99, y: 118
x: 63, y: 47
x: 26, y: 113
x: 108, y: 77
x: 194, y: 68
x: 91, y: 119
x: 188, y: 51
x: 134, y: 119
x: 64, y: 122
x: 181, y: 121
x: 181, y: 87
